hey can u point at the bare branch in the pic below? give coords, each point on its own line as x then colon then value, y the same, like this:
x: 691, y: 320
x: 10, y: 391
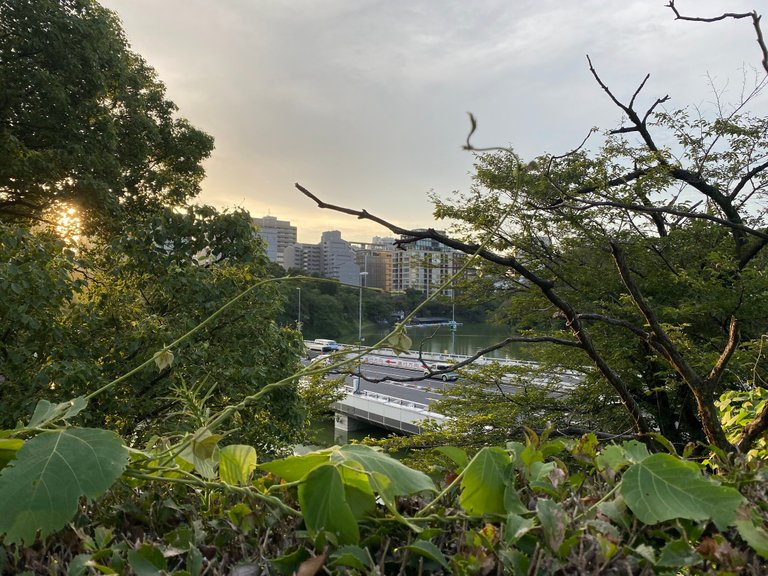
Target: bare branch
x: 736, y: 16
x: 637, y: 331
x: 730, y: 347
x: 469, y: 147
x: 546, y: 287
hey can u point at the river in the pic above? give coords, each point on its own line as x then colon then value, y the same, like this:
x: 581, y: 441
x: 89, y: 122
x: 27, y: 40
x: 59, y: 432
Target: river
x: 467, y: 340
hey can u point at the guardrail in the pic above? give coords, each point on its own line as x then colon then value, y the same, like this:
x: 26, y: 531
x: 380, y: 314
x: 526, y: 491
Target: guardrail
x: 383, y: 410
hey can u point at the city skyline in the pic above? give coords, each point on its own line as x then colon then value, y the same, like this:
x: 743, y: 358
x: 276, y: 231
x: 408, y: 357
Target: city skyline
x: 365, y: 103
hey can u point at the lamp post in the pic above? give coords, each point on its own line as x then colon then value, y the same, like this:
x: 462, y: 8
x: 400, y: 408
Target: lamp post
x: 298, y: 318
x: 453, y: 322
x: 356, y: 381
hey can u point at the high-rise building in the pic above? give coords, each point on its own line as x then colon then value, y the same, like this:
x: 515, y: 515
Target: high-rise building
x: 338, y: 258
x: 423, y: 265
x: 277, y: 235
x: 376, y: 259
x: 306, y: 257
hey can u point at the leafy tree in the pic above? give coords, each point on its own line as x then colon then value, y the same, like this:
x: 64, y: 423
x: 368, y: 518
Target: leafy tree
x: 638, y: 264
x: 117, y: 302
x: 85, y: 121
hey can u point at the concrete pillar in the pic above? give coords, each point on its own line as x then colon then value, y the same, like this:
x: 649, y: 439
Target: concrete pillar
x: 347, y: 423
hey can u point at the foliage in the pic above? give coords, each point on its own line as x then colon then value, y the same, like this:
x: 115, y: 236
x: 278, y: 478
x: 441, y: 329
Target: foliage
x: 330, y: 310
x: 120, y: 299
x: 739, y: 409
x: 67, y: 66
x: 540, y: 505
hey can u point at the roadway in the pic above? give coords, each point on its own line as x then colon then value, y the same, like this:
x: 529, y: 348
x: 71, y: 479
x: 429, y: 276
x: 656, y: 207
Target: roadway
x: 423, y: 391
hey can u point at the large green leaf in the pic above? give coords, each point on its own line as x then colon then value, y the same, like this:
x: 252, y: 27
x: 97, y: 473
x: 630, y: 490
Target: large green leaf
x: 45, y: 412
x: 485, y: 481
x: 236, y: 463
x: 663, y: 487
x: 41, y: 488
x: 358, y: 490
x: 401, y: 479
x: 752, y: 531
x: 324, y: 505
x: 294, y: 468
x: 457, y: 455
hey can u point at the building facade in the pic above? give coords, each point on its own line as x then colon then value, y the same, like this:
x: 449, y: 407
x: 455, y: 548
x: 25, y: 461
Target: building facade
x: 277, y: 235
x: 375, y: 258
x: 424, y: 265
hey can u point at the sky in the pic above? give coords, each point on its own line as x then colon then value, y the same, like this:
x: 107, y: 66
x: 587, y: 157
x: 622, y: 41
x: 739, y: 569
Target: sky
x: 364, y: 102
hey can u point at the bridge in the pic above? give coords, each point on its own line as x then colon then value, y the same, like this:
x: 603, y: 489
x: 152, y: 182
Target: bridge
x: 404, y: 406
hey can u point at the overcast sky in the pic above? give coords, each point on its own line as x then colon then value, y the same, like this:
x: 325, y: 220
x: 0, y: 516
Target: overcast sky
x: 364, y: 102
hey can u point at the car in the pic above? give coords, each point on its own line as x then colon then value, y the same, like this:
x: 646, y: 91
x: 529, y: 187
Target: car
x: 429, y: 372
x: 323, y: 345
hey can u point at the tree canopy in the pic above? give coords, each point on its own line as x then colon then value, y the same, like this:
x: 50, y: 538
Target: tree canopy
x: 84, y: 120
x: 85, y: 124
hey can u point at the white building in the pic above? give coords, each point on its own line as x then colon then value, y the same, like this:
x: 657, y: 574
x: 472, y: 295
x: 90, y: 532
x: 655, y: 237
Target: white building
x: 277, y: 235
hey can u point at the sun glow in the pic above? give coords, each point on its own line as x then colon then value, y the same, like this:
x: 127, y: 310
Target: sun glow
x: 68, y: 225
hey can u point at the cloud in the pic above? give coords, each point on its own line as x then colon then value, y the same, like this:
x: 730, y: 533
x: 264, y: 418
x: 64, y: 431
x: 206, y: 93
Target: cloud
x: 365, y: 101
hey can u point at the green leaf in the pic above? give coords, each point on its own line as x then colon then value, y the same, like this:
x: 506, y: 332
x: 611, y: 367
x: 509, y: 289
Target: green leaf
x: 457, y: 455
x: 428, y: 550
x: 485, y: 481
x: 147, y: 560
x: 677, y: 554
x: 203, y: 452
x: 45, y: 412
x: 352, y: 557
x: 512, y: 502
x: 635, y: 451
x: 663, y: 487
x: 324, y: 506
x: 52, y: 471
x: 402, y: 480
x: 612, y: 457
x: 294, y: 468
x: 553, y: 521
x: 236, y: 463
x: 516, y: 527
x: 754, y: 535
x: 357, y: 489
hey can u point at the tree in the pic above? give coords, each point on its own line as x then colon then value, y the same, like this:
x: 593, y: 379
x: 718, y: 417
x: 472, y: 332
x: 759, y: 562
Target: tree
x: 85, y: 121
x: 640, y: 265
x: 73, y: 322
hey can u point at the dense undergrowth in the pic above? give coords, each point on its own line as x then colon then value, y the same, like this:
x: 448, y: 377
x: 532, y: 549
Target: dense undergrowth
x: 539, y: 506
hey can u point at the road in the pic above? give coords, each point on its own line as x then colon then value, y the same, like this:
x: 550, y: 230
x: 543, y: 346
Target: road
x: 423, y: 391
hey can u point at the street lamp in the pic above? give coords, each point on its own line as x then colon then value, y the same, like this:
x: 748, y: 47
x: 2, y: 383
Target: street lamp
x: 356, y: 381
x: 298, y: 319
